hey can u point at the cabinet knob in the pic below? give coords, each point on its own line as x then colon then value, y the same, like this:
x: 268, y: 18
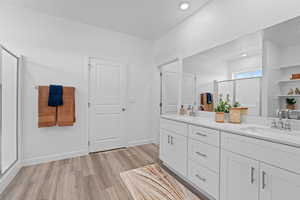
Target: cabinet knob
x: 123, y: 109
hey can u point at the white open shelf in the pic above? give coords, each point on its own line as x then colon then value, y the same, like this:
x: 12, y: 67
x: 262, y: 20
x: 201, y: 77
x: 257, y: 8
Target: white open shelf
x: 295, y: 95
x: 289, y: 66
x: 289, y: 81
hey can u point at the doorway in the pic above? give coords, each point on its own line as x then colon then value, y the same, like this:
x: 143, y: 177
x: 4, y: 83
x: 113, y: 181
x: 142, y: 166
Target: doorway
x: 170, y: 84
x: 107, y: 83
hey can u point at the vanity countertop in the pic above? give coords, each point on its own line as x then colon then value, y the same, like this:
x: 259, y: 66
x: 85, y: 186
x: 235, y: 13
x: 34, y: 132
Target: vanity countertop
x: 291, y: 138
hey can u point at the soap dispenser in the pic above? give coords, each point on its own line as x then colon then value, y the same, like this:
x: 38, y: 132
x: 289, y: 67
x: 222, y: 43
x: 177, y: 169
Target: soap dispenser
x: 182, y: 111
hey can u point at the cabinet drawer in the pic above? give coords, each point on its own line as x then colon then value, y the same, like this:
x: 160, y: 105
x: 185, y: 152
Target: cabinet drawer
x: 173, y: 126
x: 204, y: 154
x: 206, y: 135
x: 279, y: 155
x: 205, y: 179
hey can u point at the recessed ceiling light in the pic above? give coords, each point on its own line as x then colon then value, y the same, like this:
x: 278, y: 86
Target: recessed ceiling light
x: 184, y: 5
x: 244, y: 55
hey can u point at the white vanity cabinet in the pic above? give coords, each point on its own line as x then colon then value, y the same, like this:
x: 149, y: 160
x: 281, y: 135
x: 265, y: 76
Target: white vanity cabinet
x: 253, y: 169
x: 239, y: 177
x: 248, y: 179
x: 173, y: 145
x: 230, y: 166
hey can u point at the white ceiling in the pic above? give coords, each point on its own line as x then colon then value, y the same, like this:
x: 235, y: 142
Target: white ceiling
x: 284, y: 34
x: 148, y: 19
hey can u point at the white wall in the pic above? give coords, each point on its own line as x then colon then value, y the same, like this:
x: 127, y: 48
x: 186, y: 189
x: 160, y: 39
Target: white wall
x: 290, y: 55
x: 56, y: 51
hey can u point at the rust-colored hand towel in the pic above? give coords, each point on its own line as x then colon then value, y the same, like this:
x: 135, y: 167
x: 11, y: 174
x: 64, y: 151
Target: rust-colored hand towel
x: 46, y: 114
x: 66, y: 112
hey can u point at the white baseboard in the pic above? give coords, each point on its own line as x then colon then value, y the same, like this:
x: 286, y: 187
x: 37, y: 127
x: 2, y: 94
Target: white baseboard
x: 9, y: 176
x: 141, y: 142
x: 56, y: 157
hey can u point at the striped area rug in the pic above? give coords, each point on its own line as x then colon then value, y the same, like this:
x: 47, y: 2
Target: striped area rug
x: 154, y: 183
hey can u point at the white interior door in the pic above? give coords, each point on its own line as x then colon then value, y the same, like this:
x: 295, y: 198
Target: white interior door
x: 188, y: 89
x: 107, y: 105
x: 170, y: 87
x: 9, y: 87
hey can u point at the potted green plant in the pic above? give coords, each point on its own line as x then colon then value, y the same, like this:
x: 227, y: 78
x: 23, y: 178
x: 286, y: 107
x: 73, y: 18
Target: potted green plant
x: 237, y: 105
x: 222, y: 109
x: 291, y: 103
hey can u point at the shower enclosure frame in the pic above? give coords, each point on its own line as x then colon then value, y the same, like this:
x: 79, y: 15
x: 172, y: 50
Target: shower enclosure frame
x: 17, y: 114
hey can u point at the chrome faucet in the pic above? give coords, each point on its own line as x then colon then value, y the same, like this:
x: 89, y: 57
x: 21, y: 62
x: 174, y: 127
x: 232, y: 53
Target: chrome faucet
x: 274, y: 123
x: 280, y: 123
x: 192, y: 112
x: 288, y: 125
x: 279, y: 114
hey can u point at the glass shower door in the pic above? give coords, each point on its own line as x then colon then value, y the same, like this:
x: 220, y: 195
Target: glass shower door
x: 9, y: 108
x: 248, y: 93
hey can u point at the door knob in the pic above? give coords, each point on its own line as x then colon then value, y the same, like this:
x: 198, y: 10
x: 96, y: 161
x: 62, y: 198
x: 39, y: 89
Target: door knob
x: 123, y: 109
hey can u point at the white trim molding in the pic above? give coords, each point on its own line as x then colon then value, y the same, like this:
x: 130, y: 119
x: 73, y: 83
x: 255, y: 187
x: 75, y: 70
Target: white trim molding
x: 141, y: 142
x: 7, y: 178
x: 55, y: 157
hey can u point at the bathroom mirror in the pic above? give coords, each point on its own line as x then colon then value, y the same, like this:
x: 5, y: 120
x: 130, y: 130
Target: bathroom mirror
x: 259, y: 71
x: 231, y: 71
x: 282, y: 70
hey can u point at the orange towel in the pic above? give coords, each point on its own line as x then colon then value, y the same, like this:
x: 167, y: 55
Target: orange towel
x: 46, y: 114
x: 205, y: 106
x: 66, y: 112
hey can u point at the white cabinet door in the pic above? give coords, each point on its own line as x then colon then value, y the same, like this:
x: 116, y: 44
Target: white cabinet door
x: 178, y: 153
x: 278, y: 184
x: 173, y: 151
x: 165, y: 146
x: 239, y: 177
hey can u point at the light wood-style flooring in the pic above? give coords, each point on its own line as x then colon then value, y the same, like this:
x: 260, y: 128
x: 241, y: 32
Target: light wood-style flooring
x: 96, y: 176
x: 92, y: 177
